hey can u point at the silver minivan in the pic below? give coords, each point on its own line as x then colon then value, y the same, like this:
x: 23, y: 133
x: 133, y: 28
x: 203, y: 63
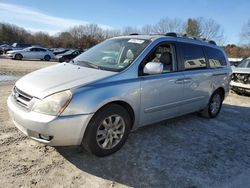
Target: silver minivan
x: 117, y: 86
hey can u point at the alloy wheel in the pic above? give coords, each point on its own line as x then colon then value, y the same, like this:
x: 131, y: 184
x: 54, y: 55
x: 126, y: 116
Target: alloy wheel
x: 110, y: 131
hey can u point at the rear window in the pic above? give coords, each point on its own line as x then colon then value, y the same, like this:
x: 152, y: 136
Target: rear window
x: 193, y: 57
x: 216, y: 58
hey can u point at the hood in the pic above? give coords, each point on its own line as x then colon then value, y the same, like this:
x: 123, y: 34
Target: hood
x: 58, y: 55
x: 240, y: 70
x: 59, y: 77
x: 14, y: 51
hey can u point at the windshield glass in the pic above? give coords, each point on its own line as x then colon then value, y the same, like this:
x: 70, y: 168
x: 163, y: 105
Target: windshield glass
x: 68, y: 52
x: 112, y: 55
x: 27, y: 49
x: 245, y: 63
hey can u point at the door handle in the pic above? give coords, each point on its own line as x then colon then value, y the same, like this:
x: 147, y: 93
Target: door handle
x: 187, y: 80
x: 183, y: 80
x: 219, y: 74
x: 179, y: 81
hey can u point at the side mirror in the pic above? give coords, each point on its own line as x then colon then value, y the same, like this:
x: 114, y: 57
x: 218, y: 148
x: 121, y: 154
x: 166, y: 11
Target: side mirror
x: 153, y: 68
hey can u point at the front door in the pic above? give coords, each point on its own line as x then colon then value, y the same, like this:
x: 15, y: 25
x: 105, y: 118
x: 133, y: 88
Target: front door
x: 161, y: 94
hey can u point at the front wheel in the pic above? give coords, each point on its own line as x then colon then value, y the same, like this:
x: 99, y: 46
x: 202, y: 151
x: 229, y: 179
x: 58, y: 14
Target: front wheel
x: 18, y: 57
x: 214, y: 105
x: 107, y: 131
x: 47, y: 57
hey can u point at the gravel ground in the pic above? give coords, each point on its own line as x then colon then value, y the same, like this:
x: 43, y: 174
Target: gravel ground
x: 188, y: 151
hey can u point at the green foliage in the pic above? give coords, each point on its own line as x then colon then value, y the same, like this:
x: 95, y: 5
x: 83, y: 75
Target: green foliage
x: 193, y: 28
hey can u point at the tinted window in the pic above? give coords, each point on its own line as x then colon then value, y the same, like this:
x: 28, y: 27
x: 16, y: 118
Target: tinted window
x: 215, y: 57
x: 193, y: 57
x: 36, y: 49
x: 41, y: 49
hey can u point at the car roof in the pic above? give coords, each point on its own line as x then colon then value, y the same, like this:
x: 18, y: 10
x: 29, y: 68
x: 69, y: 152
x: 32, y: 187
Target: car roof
x: 178, y: 38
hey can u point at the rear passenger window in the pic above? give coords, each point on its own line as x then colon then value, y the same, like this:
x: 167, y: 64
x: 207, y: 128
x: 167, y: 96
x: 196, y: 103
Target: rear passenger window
x: 193, y: 57
x: 42, y: 50
x: 215, y: 57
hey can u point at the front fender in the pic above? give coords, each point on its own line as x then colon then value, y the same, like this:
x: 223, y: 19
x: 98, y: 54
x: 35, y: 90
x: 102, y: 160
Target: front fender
x: 87, y: 100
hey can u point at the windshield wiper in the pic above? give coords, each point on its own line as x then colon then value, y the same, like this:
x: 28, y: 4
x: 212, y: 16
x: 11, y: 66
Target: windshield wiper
x: 88, y: 64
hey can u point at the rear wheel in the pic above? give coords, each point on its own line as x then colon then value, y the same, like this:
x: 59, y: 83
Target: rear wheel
x: 214, y: 106
x: 107, y: 131
x: 18, y: 57
x: 47, y: 57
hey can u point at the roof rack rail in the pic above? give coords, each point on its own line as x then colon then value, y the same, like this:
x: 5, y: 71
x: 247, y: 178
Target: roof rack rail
x: 171, y: 34
x: 203, y: 40
x: 212, y: 42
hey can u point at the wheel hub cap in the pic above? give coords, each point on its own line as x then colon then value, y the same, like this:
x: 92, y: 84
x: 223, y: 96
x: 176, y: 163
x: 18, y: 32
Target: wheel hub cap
x: 110, y: 131
x: 215, y: 104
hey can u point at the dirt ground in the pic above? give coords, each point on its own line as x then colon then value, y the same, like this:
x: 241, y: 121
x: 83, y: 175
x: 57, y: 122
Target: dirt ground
x: 189, y: 151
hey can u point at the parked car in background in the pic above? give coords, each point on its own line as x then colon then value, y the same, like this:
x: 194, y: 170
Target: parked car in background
x: 234, y: 61
x: 3, y: 47
x: 67, y: 56
x: 31, y: 53
x: 117, y: 86
x: 240, y: 82
x: 16, y: 46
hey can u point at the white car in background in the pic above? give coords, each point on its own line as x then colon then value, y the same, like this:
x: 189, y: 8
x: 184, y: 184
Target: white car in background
x: 240, y: 82
x: 31, y: 53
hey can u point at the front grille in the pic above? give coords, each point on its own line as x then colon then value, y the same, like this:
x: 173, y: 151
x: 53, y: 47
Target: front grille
x: 241, y: 78
x: 21, y: 98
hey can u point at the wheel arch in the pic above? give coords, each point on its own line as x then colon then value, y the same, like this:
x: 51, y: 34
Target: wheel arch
x: 222, y: 91
x: 18, y: 53
x: 123, y: 104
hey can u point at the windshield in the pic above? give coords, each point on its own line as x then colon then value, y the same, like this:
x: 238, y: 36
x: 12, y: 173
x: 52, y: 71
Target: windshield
x: 27, y: 49
x: 245, y: 63
x: 112, y: 55
x: 68, y: 52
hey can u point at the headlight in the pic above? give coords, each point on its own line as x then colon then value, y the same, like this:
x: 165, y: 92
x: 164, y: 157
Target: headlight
x: 53, y: 104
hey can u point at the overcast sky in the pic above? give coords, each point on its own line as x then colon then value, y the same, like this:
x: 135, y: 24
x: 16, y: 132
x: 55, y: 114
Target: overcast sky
x: 54, y: 16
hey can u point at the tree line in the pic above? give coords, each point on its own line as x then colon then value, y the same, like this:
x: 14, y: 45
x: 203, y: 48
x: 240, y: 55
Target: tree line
x: 85, y: 36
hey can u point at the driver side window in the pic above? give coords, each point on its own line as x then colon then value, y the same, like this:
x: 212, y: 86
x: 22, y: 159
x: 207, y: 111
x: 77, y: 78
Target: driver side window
x: 164, y: 54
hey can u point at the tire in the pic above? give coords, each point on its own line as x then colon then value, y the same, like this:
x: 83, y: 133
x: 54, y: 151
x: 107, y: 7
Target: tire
x: 66, y: 60
x: 61, y: 60
x: 18, y: 57
x: 47, y: 58
x: 100, y: 132
x: 214, y: 105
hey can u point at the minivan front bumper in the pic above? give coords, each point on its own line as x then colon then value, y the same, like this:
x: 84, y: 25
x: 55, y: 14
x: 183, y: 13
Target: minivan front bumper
x: 50, y: 130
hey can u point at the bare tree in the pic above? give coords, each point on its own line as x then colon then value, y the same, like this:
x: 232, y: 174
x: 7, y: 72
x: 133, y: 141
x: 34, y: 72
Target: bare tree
x: 245, y: 33
x: 109, y: 33
x: 148, y: 29
x: 129, y: 30
x: 166, y: 25
x: 211, y: 30
x: 205, y: 28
